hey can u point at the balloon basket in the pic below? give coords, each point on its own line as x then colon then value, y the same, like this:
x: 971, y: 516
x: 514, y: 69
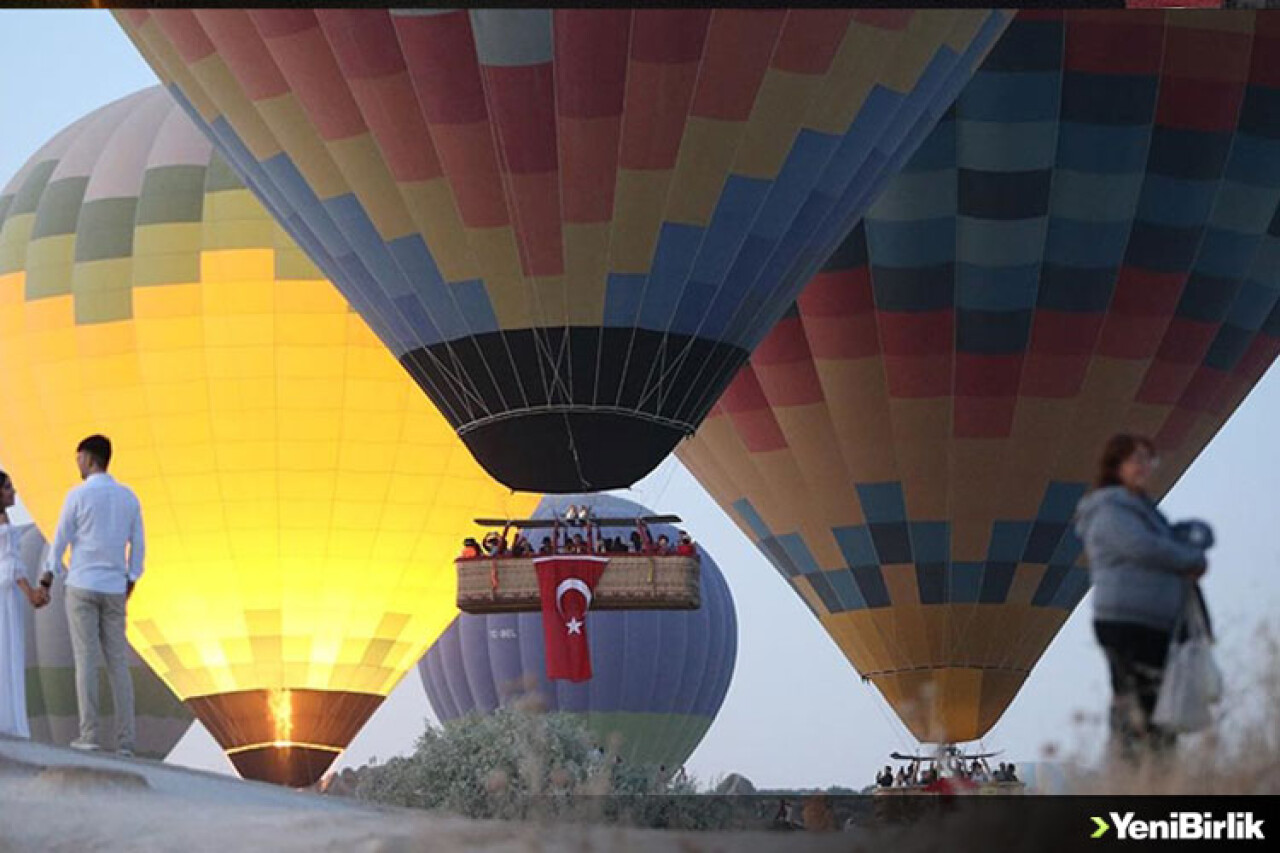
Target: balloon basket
x: 631, y: 582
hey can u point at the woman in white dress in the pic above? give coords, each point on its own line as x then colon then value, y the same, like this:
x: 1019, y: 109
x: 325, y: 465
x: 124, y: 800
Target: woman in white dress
x: 14, y: 587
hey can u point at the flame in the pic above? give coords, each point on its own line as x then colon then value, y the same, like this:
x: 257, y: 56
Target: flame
x: 282, y: 713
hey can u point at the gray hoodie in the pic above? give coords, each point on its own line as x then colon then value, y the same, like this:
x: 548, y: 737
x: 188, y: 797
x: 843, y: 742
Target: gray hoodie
x: 1140, y: 572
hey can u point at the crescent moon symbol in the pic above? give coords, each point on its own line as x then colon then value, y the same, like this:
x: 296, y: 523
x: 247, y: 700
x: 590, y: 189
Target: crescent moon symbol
x: 570, y: 584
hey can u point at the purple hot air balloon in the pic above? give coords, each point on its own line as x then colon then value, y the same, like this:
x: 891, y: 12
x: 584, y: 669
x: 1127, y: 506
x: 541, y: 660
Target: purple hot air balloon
x: 660, y: 676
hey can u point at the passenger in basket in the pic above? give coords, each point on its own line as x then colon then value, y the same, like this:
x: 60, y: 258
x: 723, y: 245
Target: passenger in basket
x: 684, y: 546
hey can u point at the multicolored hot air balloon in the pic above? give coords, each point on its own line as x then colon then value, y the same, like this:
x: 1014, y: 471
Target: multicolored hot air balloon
x: 302, y: 499
x: 1089, y: 243
x: 161, y: 717
x: 571, y: 227
x: 659, y: 680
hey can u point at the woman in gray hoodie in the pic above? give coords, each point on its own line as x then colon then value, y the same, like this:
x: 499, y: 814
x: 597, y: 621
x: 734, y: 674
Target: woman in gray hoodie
x: 1141, y: 574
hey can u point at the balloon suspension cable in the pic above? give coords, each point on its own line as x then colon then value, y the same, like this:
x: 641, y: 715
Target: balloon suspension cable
x: 895, y: 725
x: 573, y: 450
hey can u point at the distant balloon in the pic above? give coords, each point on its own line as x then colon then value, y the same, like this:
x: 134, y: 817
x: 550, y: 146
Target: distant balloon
x: 660, y: 676
x: 302, y: 500
x: 570, y: 226
x: 1089, y: 243
x: 52, y: 710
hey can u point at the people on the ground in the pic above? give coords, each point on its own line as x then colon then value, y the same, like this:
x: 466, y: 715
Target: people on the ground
x: 16, y: 595
x: 785, y: 817
x: 1142, y: 574
x: 101, y: 522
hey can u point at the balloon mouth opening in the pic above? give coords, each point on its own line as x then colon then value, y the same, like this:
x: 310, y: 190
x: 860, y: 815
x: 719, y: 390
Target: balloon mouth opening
x: 285, y: 736
x: 293, y: 765
x: 574, y: 409
x: 950, y: 704
x: 569, y: 450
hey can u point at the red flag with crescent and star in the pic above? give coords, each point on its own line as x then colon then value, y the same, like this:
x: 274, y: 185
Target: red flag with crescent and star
x: 566, y: 583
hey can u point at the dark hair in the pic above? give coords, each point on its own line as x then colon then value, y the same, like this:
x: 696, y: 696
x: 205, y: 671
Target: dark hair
x: 1119, y: 448
x: 99, y: 447
x: 4, y: 479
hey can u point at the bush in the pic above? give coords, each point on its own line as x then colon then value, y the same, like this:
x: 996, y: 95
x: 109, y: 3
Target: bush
x: 518, y: 765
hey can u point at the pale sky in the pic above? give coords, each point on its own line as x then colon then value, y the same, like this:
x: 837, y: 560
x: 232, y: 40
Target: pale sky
x: 797, y: 714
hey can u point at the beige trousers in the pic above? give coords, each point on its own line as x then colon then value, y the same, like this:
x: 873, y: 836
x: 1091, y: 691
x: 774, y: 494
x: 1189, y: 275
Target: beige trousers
x: 97, y: 633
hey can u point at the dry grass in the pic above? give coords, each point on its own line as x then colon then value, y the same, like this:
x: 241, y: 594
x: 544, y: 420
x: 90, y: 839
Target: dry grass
x: 1239, y: 754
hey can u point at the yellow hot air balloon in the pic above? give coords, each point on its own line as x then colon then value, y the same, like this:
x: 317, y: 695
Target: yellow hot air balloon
x: 302, y: 499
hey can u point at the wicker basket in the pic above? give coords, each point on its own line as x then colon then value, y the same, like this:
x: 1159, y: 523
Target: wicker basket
x: 629, y: 582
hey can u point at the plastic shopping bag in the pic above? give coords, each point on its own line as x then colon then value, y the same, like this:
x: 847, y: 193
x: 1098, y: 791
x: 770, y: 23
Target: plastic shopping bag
x: 1192, y: 680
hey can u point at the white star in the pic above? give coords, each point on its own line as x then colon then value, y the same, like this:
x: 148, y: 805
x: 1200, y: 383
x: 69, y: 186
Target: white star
x: 574, y: 626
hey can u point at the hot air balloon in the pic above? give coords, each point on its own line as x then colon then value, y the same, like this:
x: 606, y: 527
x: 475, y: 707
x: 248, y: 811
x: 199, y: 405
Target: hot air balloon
x: 572, y: 226
x: 302, y: 500
x: 1088, y: 244
x: 659, y: 676
x: 161, y: 717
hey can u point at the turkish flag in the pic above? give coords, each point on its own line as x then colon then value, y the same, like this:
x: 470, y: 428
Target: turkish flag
x: 566, y: 583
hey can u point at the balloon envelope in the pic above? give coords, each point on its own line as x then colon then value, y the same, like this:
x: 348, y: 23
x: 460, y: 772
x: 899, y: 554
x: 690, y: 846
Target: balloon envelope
x: 659, y: 678
x: 52, y: 709
x: 570, y: 226
x: 1088, y: 244
x: 302, y: 501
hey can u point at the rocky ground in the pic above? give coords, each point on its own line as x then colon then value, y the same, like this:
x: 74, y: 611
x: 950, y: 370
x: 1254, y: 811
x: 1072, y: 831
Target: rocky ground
x: 55, y: 799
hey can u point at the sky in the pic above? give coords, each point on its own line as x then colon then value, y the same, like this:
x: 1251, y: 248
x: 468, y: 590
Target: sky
x: 797, y: 714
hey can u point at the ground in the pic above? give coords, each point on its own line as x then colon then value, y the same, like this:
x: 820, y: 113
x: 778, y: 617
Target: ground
x: 54, y: 799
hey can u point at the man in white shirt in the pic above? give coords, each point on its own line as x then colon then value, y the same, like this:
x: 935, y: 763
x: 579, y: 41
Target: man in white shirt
x: 99, y: 518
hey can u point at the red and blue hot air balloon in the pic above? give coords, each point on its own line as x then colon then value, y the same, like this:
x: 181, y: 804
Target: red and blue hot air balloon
x: 570, y: 226
x: 1089, y: 243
